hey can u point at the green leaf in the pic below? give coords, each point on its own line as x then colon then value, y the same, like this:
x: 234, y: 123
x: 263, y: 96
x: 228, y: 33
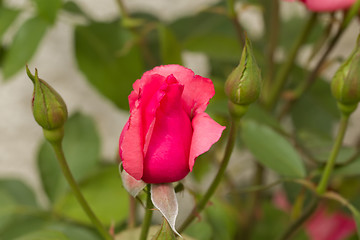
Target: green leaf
x: 105, y: 195
x: 165, y: 232
x: 272, y: 150
x: 258, y: 114
x: 222, y: 219
x: 7, y: 17
x: 210, y: 33
x: 16, y: 201
x: 352, y: 169
x: 215, y: 46
x: 74, y: 8
x: 273, y: 223
x: 20, y: 192
x: 202, y: 166
x: 24, y: 45
x: 290, y: 30
x: 316, y: 111
x: 201, y: 24
x: 82, y: 151
x: 169, y: 46
x: 7, y: 208
x: 47, y: 9
x: 23, y: 224
x: 134, y: 233
x: 44, y: 235
x: 200, y: 230
x: 108, y: 56
x: 319, y: 147
x: 74, y: 231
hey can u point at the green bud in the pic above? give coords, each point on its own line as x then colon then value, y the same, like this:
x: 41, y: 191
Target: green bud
x: 237, y: 111
x: 345, y: 85
x: 244, y: 82
x: 48, y: 107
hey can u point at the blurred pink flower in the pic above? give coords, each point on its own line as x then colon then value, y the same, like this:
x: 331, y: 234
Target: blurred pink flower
x: 326, y: 5
x: 322, y: 225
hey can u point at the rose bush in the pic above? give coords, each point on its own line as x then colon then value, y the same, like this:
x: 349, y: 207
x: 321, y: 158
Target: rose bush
x: 327, y: 5
x: 168, y: 128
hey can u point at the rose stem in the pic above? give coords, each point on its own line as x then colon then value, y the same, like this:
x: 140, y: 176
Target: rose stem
x: 273, y: 37
x: 215, y: 183
x: 291, y: 230
x: 132, y: 212
x: 148, y: 215
x: 301, y: 89
x: 334, y: 153
x: 285, y: 69
x: 57, y: 146
x: 234, y: 18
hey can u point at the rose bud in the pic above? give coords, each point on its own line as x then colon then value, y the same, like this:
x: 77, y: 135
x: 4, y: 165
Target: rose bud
x: 345, y: 85
x: 168, y: 128
x: 244, y: 83
x: 48, y: 107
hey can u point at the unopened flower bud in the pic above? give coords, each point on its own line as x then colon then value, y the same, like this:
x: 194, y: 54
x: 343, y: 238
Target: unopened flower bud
x: 48, y: 107
x: 345, y: 85
x: 244, y: 83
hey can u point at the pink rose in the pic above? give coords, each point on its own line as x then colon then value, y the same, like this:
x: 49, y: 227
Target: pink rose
x: 327, y: 5
x: 168, y: 128
x: 322, y: 225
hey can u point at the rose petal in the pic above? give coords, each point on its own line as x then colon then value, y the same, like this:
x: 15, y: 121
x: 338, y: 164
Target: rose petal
x: 197, y: 90
x: 327, y: 5
x: 164, y: 199
x: 205, y: 133
x: 131, y: 185
x: 132, y: 145
x: 145, y: 88
x: 167, y: 156
x: 182, y: 74
x: 126, y: 126
x: 197, y: 94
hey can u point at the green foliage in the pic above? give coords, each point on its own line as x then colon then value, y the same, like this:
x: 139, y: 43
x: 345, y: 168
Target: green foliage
x: 272, y: 224
x: 169, y: 46
x: 72, y: 7
x: 316, y: 111
x: 209, y: 33
x: 74, y: 231
x: 44, y: 235
x: 23, y: 224
x: 24, y: 45
x: 200, y: 230
x: 19, y: 192
x: 112, y: 54
x: 290, y: 29
x: 352, y: 169
x: 109, y: 57
x: 272, y: 150
x: 165, y: 232
x: 105, y: 194
x: 82, y: 149
x: 222, y: 219
x: 47, y: 9
x: 7, y: 17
